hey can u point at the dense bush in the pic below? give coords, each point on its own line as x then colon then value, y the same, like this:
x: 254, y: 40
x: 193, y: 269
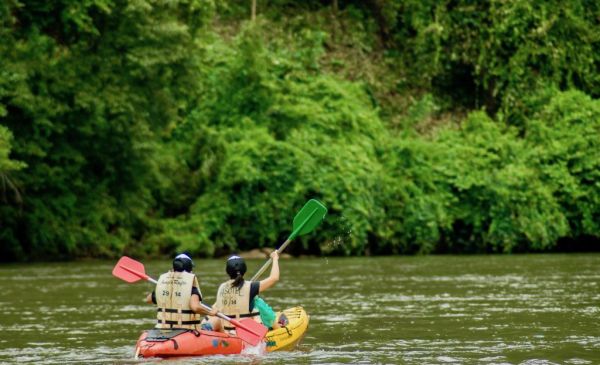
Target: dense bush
x: 151, y: 127
x: 87, y: 89
x: 286, y: 135
x: 501, y: 201
x: 564, y: 144
x: 485, y: 188
x: 491, y: 53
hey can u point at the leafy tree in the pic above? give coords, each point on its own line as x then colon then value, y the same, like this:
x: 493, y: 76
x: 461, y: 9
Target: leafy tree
x: 502, y: 202
x: 86, y: 88
x: 287, y: 135
x: 491, y: 53
x: 7, y: 166
x: 562, y: 138
x: 149, y: 127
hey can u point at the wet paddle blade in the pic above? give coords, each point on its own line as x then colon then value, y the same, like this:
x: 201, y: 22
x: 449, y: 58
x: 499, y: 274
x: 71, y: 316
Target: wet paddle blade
x: 129, y: 270
x: 250, y: 331
x: 310, y: 216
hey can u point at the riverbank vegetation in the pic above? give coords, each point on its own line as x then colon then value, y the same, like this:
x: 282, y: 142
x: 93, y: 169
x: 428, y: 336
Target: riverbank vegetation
x: 150, y: 127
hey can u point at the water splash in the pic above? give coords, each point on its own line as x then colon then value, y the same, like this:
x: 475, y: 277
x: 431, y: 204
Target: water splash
x: 342, y: 238
x: 259, y: 350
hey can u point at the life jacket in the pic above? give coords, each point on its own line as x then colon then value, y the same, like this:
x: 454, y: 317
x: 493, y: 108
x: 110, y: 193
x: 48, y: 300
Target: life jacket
x: 234, y: 302
x: 173, y: 293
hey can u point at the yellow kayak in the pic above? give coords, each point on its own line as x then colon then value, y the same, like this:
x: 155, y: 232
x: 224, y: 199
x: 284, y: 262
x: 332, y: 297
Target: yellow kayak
x: 287, y: 338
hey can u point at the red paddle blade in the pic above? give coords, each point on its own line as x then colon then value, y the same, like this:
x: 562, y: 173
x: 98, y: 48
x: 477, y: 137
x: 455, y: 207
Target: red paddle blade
x: 250, y: 331
x: 129, y: 270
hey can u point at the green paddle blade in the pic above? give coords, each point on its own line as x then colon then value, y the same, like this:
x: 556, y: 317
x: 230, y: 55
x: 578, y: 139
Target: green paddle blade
x: 311, y: 214
x: 308, y: 218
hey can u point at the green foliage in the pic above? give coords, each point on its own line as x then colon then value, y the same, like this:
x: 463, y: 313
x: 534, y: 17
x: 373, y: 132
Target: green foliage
x: 130, y: 127
x: 492, y: 53
x: 8, y: 189
x: 501, y: 199
x: 563, y: 140
x: 288, y: 136
x: 416, y: 202
x: 86, y: 88
x: 6, y: 164
x: 484, y: 188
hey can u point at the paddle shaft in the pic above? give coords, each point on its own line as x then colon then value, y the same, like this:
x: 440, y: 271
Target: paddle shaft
x: 283, y: 246
x: 270, y: 260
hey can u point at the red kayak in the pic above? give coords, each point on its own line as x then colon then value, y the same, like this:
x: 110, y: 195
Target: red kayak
x: 156, y: 343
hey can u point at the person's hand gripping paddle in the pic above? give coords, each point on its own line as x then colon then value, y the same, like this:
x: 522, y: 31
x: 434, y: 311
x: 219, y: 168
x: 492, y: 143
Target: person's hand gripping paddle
x: 247, y: 329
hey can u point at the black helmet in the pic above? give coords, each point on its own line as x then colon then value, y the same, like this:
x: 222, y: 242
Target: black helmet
x: 235, y: 265
x: 183, y: 262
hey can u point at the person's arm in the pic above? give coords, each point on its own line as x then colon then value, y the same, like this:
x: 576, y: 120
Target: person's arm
x: 149, y: 298
x: 273, y: 276
x: 197, y: 308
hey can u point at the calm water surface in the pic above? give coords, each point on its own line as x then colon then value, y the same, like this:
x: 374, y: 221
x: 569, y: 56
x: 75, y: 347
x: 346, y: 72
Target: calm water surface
x: 525, y: 309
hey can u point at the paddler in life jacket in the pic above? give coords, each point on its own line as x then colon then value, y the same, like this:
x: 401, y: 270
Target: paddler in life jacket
x: 177, y: 296
x: 236, y: 297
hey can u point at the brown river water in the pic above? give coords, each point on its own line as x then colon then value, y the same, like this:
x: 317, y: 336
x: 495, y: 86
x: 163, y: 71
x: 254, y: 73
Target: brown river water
x: 504, y: 309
